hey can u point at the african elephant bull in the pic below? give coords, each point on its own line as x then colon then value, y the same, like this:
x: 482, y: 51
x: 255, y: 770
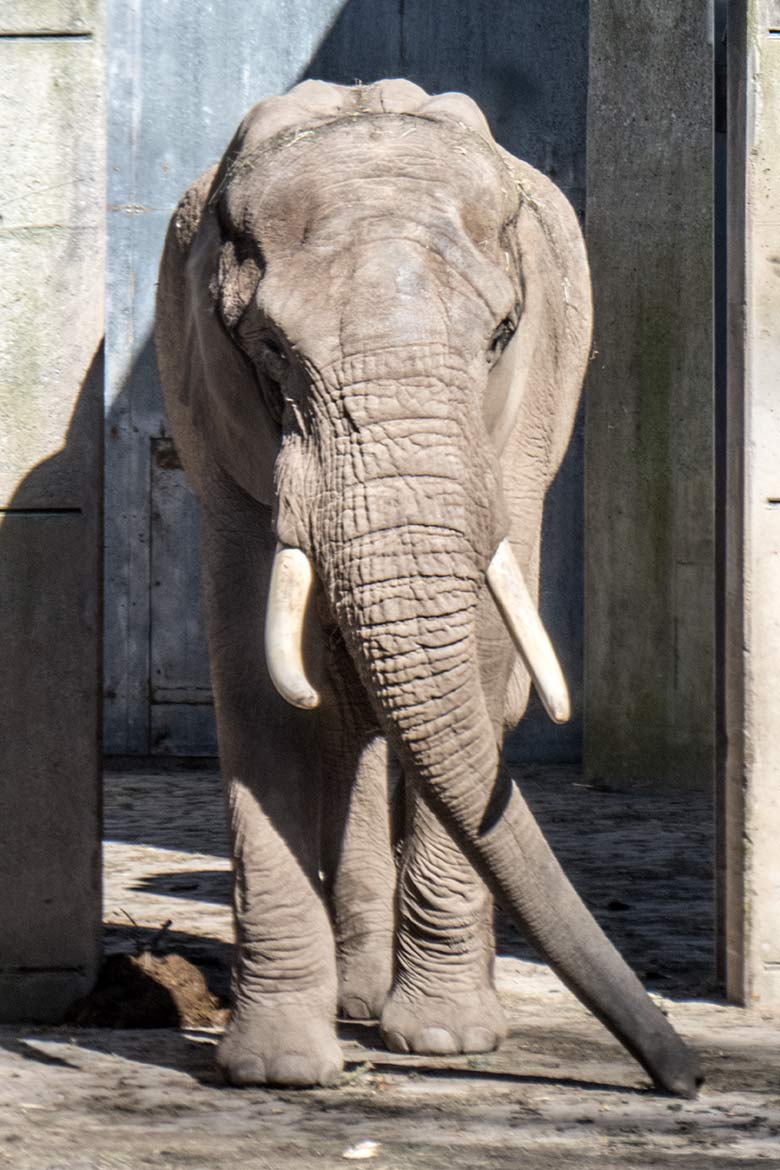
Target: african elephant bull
x: 372, y: 330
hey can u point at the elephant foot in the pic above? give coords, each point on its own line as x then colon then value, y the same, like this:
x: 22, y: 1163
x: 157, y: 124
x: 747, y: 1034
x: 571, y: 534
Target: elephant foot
x: 280, y: 1045
x: 365, y: 976
x: 462, y: 1022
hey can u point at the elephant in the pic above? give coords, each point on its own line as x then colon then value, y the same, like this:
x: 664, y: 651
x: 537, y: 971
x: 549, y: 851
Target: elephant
x: 372, y: 330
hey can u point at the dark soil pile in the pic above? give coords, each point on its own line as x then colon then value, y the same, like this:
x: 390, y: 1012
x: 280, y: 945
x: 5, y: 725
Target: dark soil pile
x: 149, y: 991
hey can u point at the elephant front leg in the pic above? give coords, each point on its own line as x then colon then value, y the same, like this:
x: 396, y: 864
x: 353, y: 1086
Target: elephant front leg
x: 282, y: 1024
x: 443, y: 998
x: 358, y: 845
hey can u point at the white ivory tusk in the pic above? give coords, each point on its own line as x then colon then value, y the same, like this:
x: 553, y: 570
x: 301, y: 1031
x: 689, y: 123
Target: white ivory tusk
x: 510, y: 593
x: 291, y: 581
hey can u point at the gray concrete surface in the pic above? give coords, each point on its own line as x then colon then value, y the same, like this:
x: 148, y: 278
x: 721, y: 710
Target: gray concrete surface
x: 750, y: 808
x: 51, y: 325
x: 649, y: 511
x: 560, y: 1094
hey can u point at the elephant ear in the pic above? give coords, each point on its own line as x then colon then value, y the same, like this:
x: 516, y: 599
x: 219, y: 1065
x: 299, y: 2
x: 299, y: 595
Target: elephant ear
x: 213, y: 398
x: 535, y: 388
x: 216, y: 400
x: 228, y: 408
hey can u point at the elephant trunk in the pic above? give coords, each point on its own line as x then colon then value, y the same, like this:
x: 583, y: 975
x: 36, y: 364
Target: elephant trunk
x: 419, y: 660
x: 402, y: 550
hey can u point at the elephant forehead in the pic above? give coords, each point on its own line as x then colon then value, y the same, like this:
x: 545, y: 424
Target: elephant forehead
x: 404, y: 284
x: 353, y: 170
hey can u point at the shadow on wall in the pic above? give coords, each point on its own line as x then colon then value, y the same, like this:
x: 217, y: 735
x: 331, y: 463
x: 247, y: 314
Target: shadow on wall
x: 50, y: 545
x: 157, y: 696
x: 525, y: 64
x: 527, y: 68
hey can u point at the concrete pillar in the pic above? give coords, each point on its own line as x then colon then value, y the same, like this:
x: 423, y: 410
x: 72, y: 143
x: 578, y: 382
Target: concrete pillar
x: 51, y: 325
x: 749, y: 855
x: 649, y: 450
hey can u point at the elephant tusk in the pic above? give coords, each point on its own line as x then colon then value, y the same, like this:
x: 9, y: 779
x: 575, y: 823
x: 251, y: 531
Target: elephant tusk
x: 522, y: 620
x: 291, y: 581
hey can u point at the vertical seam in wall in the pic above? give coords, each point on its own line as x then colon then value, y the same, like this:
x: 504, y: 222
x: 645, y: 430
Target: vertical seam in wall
x: 720, y: 368
x: 732, y: 773
x: 402, y: 55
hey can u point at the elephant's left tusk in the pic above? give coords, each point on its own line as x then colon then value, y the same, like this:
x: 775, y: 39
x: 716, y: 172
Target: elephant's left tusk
x: 291, y: 581
x: 522, y: 620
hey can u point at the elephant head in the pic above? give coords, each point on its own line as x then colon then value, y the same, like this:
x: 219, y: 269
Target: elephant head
x: 392, y: 317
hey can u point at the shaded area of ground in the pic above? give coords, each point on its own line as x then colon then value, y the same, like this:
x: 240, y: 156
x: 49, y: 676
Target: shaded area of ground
x: 561, y: 1093
x: 641, y: 860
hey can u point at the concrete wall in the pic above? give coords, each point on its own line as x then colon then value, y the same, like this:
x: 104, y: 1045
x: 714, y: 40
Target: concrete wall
x: 181, y: 76
x: 51, y: 325
x: 749, y: 857
x: 649, y: 506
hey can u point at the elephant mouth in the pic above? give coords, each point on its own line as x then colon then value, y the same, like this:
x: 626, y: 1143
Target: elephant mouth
x: 291, y: 584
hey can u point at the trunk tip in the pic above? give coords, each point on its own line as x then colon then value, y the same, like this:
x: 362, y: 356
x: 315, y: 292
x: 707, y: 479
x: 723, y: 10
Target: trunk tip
x: 684, y: 1079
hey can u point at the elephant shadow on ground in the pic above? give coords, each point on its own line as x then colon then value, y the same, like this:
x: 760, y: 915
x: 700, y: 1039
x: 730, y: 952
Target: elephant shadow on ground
x: 191, y: 1053
x: 204, y: 885
x: 641, y: 861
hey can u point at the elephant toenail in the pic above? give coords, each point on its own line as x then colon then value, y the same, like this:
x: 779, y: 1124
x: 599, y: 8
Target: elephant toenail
x: 396, y: 1042
x: 437, y: 1041
x: 331, y: 1074
x: 479, y: 1040
x: 293, y: 1068
x: 355, y: 1008
x: 244, y: 1072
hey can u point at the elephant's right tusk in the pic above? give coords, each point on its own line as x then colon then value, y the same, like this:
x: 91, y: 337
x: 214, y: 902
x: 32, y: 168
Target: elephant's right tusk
x: 291, y: 581
x: 521, y: 617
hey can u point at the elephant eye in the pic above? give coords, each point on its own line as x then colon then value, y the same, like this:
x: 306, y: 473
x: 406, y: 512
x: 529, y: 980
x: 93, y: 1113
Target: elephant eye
x: 273, y: 357
x: 503, y: 335
x: 261, y: 345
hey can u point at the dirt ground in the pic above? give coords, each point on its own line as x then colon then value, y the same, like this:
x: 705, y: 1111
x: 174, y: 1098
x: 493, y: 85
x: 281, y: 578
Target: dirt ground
x: 561, y: 1093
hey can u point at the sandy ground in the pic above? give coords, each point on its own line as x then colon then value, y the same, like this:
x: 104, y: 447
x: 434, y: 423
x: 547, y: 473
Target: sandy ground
x: 560, y: 1093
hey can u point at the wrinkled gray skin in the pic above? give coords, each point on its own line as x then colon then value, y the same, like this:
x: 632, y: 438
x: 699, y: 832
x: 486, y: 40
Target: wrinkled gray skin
x: 372, y: 330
